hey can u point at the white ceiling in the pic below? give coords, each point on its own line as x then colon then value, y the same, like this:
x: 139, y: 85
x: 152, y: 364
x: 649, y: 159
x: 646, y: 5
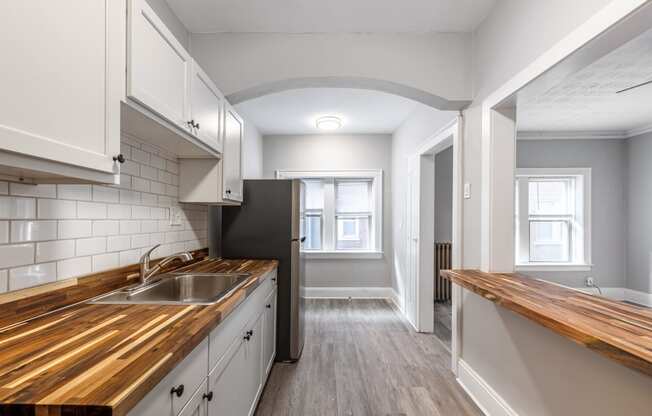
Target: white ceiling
x: 331, y: 16
x: 295, y: 111
x: 587, y: 100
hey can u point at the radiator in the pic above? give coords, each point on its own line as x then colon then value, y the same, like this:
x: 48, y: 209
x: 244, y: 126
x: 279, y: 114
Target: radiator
x: 442, y: 262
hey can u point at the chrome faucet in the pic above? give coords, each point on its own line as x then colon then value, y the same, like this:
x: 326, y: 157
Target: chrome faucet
x: 147, y: 272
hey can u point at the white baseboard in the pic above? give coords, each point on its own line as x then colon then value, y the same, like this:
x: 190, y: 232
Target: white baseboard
x: 482, y: 394
x: 350, y: 292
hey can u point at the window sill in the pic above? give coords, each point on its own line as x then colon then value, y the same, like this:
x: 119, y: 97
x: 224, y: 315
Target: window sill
x: 344, y: 255
x: 552, y: 267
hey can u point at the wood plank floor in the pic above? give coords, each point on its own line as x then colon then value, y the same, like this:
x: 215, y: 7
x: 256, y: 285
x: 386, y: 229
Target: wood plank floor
x: 361, y: 358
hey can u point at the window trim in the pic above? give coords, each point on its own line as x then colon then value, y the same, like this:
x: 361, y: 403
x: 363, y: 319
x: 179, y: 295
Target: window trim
x: 376, y: 175
x: 585, y: 264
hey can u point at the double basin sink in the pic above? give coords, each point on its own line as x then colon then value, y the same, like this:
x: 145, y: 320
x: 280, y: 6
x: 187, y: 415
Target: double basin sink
x: 179, y: 289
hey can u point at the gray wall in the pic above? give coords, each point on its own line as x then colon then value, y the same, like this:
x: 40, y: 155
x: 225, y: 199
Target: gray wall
x: 444, y: 195
x: 607, y: 158
x: 338, y: 152
x: 639, y: 212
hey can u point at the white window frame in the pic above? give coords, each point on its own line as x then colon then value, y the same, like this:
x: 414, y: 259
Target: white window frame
x: 580, y: 256
x: 329, y: 226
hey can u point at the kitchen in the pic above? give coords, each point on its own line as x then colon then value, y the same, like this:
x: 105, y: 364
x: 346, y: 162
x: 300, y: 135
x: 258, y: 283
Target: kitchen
x: 211, y: 208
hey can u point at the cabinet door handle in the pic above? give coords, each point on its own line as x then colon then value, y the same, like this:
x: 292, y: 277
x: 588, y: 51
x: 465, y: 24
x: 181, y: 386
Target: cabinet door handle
x: 228, y: 191
x: 247, y: 337
x: 197, y: 126
x: 250, y: 332
x: 177, y: 390
x: 268, y: 306
x: 208, y: 396
x: 119, y: 158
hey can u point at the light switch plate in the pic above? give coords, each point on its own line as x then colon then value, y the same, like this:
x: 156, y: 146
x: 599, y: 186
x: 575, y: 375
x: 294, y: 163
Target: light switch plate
x: 175, y: 216
x: 467, y: 190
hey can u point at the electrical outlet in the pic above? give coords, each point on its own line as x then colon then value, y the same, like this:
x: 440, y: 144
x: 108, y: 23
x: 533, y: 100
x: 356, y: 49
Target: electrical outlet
x: 175, y: 216
x: 589, y: 282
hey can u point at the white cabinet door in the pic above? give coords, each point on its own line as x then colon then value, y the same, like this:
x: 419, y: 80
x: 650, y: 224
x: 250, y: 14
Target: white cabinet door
x: 254, y: 365
x: 61, y: 80
x: 206, y: 103
x: 158, y: 66
x: 228, y: 382
x: 269, y: 334
x: 232, y: 155
x: 197, y: 405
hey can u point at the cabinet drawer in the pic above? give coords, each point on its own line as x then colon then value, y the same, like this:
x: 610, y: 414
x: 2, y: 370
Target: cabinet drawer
x: 222, y: 336
x: 190, y: 374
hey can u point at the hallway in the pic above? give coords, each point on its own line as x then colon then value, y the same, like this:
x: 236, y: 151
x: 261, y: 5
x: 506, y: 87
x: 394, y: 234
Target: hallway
x: 361, y: 358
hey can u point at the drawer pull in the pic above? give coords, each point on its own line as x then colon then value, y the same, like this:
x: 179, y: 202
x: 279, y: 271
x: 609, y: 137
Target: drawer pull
x: 250, y: 332
x: 177, y: 390
x: 208, y: 396
x: 268, y: 306
x: 247, y: 337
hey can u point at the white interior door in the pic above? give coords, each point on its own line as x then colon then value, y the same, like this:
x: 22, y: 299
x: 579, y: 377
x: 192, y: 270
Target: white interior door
x: 412, y: 242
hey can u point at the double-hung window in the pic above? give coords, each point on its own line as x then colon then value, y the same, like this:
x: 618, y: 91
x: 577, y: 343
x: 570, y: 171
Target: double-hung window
x: 342, y: 213
x: 552, y: 219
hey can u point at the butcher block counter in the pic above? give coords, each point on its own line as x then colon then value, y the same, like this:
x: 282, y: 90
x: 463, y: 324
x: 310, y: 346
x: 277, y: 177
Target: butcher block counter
x: 617, y: 330
x: 102, y: 359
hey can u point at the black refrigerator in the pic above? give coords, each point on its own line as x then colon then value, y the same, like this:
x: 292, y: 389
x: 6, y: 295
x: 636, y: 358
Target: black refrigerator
x: 268, y: 225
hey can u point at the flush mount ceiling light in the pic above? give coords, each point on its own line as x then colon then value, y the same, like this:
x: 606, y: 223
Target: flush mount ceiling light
x: 329, y: 123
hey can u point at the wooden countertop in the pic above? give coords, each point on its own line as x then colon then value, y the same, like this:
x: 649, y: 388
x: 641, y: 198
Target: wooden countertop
x: 93, y: 359
x: 619, y: 331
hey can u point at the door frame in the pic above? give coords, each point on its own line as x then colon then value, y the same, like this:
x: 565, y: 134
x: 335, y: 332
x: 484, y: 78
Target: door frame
x: 449, y: 135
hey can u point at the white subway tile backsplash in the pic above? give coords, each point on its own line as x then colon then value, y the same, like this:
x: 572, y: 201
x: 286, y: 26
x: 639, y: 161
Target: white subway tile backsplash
x: 56, y: 209
x: 118, y: 243
x: 36, y: 274
x: 119, y: 212
x: 105, y: 194
x: 140, y: 156
x: 23, y: 231
x: 139, y: 212
x: 129, y: 257
x: 61, y: 231
x: 4, y: 281
x: 76, y: 192
x: 16, y: 255
x: 43, y: 191
x: 74, y: 229
x: 89, y: 246
x: 104, y: 228
x: 106, y: 261
x: 140, y: 240
x: 91, y: 210
x: 54, y: 250
x: 149, y: 172
x: 4, y: 232
x: 74, y: 267
x: 17, y: 208
x: 140, y: 184
x: 129, y: 227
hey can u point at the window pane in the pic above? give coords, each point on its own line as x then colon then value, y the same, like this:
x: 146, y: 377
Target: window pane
x: 353, y: 233
x: 549, y: 197
x: 314, y: 194
x: 352, y: 196
x: 311, y: 229
x: 549, y: 241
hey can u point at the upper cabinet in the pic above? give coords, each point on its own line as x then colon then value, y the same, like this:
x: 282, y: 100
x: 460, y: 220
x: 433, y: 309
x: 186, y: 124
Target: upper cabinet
x: 61, y: 82
x: 158, y: 66
x: 206, y: 106
x: 233, y: 137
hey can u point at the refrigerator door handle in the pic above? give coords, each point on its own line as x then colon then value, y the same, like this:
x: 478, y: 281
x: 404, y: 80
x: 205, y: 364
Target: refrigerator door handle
x: 302, y: 239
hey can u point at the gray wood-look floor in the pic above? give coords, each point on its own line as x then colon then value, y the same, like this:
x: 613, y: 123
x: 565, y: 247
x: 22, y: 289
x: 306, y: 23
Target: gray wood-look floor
x: 361, y: 358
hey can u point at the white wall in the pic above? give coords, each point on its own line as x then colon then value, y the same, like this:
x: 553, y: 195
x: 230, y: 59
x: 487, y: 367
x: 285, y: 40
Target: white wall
x: 534, y: 370
x: 339, y: 152
x: 420, y: 126
x: 57, y: 232
x: 435, y: 63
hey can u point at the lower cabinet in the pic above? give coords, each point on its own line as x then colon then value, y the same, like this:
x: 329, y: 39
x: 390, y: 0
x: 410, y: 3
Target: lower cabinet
x: 226, y: 373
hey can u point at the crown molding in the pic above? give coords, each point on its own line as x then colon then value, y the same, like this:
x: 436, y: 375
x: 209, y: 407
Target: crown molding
x: 640, y: 130
x: 583, y: 135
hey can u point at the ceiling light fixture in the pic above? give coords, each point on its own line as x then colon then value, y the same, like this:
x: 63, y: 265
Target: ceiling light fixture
x: 329, y: 123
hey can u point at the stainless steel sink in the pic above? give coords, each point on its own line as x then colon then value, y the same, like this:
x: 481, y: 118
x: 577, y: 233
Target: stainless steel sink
x: 180, y: 289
